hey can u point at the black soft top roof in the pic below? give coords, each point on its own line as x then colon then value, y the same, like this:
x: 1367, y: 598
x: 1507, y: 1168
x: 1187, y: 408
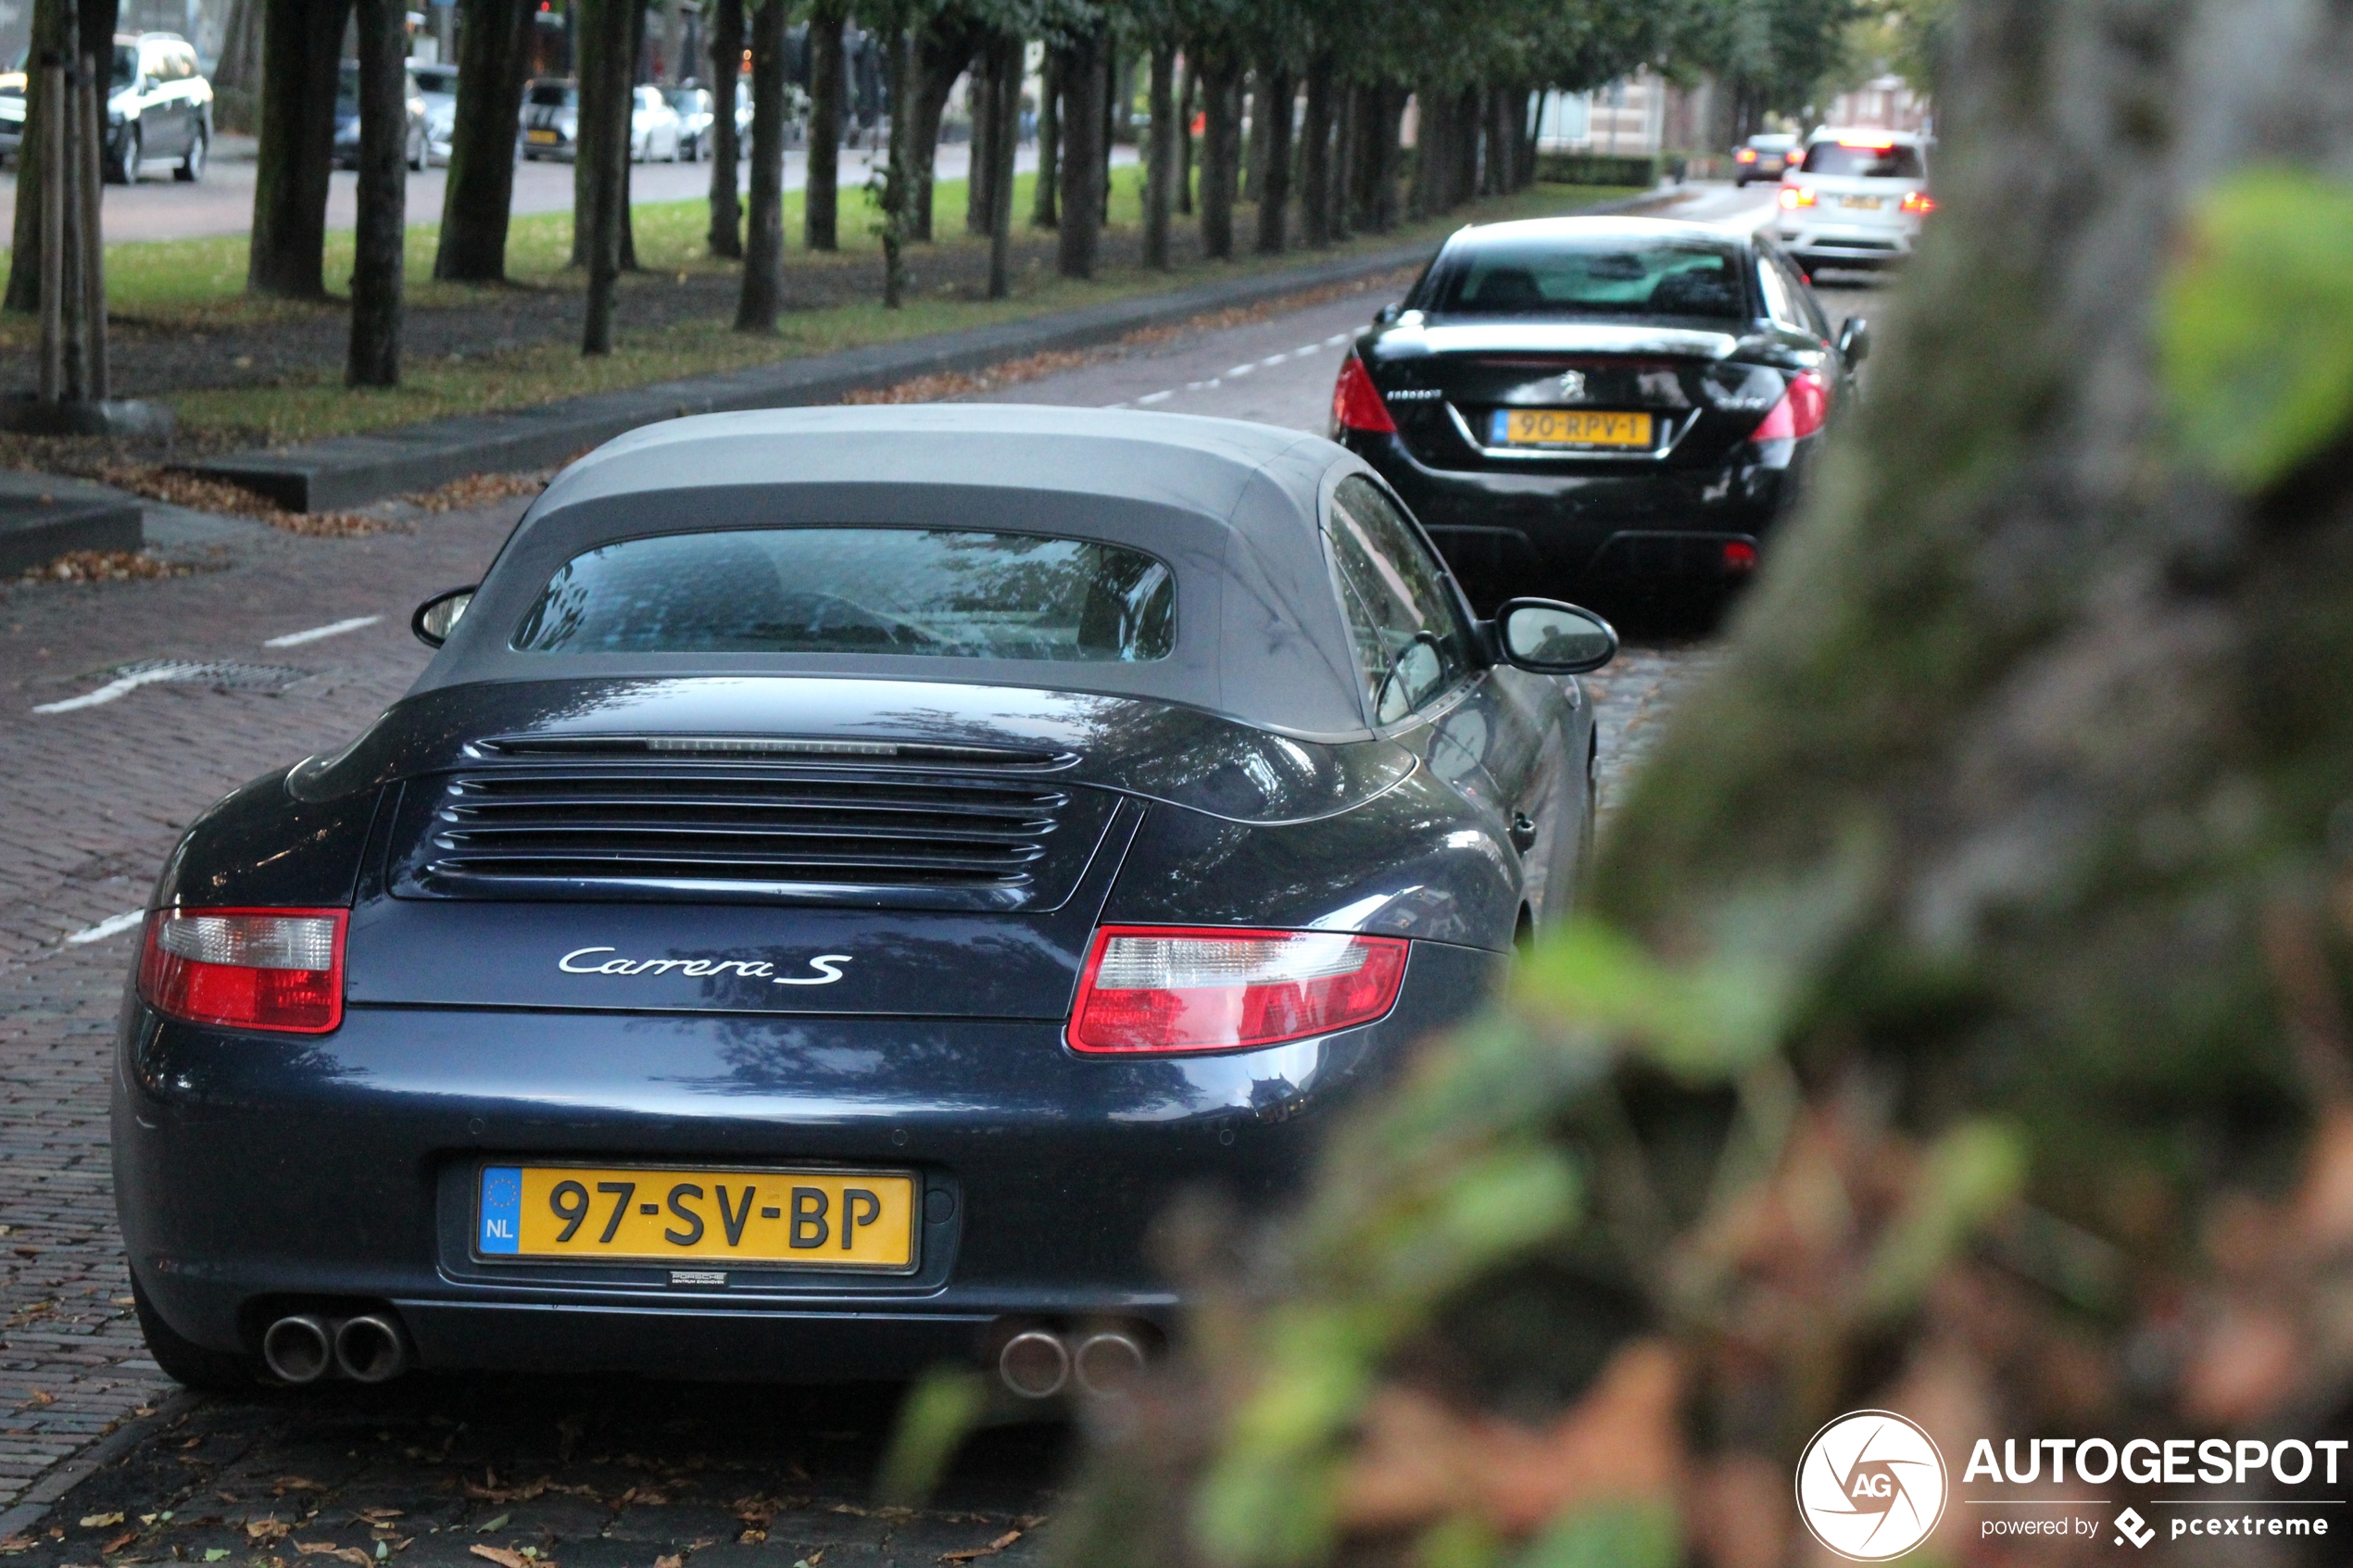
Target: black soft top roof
x: 1234, y: 509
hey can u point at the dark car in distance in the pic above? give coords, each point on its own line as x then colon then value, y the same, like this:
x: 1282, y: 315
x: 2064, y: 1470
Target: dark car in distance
x: 843, y: 874
x: 1763, y: 157
x: 416, y: 134
x: 1597, y: 405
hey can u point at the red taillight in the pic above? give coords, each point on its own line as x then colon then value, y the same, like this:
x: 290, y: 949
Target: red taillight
x: 1919, y: 202
x: 1802, y: 411
x: 247, y: 969
x: 1739, y: 557
x: 1746, y: 155
x: 1794, y: 197
x: 1182, y: 988
x: 1356, y: 403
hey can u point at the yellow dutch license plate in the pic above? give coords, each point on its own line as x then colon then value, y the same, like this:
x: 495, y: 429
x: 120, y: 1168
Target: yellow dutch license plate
x: 1568, y: 427
x: 769, y: 1218
x: 538, y: 136
x: 1864, y: 204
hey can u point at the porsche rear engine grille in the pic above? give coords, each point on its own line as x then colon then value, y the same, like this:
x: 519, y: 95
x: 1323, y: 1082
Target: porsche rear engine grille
x: 984, y: 843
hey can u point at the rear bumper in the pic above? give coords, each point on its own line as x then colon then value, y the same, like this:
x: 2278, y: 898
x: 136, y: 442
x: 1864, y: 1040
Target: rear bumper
x: 1563, y: 534
x: 1847, y: 245
x: 256, y: 1176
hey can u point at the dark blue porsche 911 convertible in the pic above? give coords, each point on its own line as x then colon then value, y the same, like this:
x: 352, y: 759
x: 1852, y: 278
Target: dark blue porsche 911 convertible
x: 843, y: 874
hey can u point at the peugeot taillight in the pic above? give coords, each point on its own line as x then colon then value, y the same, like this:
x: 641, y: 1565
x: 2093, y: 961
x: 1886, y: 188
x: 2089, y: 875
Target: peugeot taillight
x: 247, y: 969
x: 1181, y: 988
x: 1804, y: 408
x: 1796, y: 196
x: 1746, y: 155
x: 1357, y: 402
x: 1918, y: 202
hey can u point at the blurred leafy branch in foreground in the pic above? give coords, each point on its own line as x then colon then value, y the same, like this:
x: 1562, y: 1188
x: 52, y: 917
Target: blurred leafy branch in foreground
x: 1960, y: 1025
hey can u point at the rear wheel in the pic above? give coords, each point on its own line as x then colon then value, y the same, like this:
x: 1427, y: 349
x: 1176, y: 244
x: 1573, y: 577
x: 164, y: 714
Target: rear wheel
x: 187, y: 1363
x: 191, y: 168
x: 132, y: 155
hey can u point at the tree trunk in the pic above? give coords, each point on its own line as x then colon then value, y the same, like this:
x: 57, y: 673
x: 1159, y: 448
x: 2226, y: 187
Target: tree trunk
x: 822, y: 200
x: 895, y: 195
x: 1110, y: 122
x: 1274, y: 192
x: 634, y: 73
x: 944, y: 49
x: 1045, y: 210
x: 1315, y: 158
x: 980, y: 200
x: 304, y: 40
x: 1387, y: 146
x: 239, y: 68
x: 763, y: 298
x: 603, y: 147
x: 1339, y: 194
x: 1465, y: 138
x: 1502, y: 141
x: 52, y: 20
x: 1160, y: 166
x: 1184, y: 103
x: 1252, y: 183
x: 1424, y: 198
x: 726, y: 67
x: 493, y: 63
x: 1080, y: 68
x: 383, y: 231
x: 1220, y: 135
x: 1008, y: 53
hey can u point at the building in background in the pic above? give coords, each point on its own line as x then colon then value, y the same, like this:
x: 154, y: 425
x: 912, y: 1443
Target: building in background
x: 1885, y: 103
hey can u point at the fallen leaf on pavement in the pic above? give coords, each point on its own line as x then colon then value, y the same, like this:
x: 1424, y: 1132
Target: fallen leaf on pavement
x: 671, y: 1561
x: 215, y: 1553
x: 299, y: 1484
x: 121, y: 1541
x: 502, y: 1557
x: 497, y: 1523
x: 270, y: 1529
x: 100, y: 1521
x: 991, y: 1549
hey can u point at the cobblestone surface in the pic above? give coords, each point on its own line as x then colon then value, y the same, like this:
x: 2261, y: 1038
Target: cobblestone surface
x: 91, y: 801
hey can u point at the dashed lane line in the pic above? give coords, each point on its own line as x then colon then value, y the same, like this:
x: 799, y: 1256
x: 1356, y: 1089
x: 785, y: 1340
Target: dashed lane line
x: 122, y: 685
x: 112, y: 926
x: 334, y: 630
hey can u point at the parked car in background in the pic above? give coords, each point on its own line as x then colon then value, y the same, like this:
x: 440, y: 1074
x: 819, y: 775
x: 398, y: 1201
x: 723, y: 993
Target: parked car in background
x: 11, y: 117
x: 439, y: 85
x: 346, y: 155
x: 551, y: 119
x: 159, y: 107
x: 1858, y: 199
x: 692, y: 106
x: 1612, y: 406
x: 1762, y: 157
x: 653, y: 127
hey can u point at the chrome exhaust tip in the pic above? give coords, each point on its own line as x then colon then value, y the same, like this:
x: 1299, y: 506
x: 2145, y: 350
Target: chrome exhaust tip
x: 1034, y: 1364
x: 298, y: 1349
x: 368, y: 1349
x: 1108, y: 1364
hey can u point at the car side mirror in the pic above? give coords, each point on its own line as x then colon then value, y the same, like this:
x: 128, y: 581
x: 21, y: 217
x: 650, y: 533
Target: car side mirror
x: 1387, y: 315
x: 1551, y: 638
x: 1854, y: 340
x: 439, y: 615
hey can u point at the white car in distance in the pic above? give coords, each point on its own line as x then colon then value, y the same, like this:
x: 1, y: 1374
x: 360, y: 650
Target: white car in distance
x: 1858, y: 199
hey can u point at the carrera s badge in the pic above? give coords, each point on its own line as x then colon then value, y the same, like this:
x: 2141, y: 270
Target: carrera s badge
x: 828, y: 967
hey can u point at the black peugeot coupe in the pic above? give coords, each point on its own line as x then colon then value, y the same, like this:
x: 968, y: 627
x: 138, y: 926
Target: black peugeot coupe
x: 1597, y: 405
x: 844, y: 872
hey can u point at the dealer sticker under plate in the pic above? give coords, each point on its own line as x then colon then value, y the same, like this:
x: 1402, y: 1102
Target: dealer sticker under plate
x: 830, y: 1219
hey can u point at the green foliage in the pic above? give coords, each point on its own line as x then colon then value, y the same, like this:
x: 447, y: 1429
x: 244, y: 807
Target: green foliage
x: 939, y: 1412
x: 2256, y: 324
x: 1610, y: 1536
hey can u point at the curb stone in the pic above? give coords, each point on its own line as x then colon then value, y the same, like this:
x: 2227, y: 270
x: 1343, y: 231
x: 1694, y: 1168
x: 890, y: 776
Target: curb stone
x: 352, y: 471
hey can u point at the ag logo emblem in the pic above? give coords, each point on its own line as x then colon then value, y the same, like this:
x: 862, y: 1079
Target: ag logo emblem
x: 1871, y: 1485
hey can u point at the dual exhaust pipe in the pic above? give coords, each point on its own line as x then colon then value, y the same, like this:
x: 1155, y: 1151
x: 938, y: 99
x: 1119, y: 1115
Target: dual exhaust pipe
x: 1103, y: 1363
x: 303, y: 1348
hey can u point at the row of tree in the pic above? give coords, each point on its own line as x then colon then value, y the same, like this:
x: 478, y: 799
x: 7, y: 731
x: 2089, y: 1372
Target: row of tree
x: 1301, y: 104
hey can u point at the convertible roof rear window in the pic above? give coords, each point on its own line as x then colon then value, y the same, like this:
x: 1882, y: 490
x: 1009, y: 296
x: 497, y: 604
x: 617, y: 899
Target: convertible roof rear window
x: 1600, y: 274
x: 938, y: 592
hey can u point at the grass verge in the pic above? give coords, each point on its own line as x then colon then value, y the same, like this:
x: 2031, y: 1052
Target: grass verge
x: 196, y: 286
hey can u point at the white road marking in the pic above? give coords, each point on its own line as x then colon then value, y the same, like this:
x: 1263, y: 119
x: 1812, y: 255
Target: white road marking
x: 1336, y: 340
x: 1155, y: 397
x: 293, y: 638
x: 1200, y: 386
x: 112, y: 926
x: 1304, y: 350
x: 1238, y: 370
x: 1274, y: 358
x: 120, y: 686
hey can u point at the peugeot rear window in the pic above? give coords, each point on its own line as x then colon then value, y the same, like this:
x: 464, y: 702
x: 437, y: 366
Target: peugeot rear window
x: 938, y: 592
x: 555, y: 95
x: 1858, y: 161
x: 1604, y: 274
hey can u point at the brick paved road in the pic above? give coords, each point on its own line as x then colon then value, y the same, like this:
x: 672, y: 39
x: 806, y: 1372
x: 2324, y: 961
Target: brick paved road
x: 90, y: 802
